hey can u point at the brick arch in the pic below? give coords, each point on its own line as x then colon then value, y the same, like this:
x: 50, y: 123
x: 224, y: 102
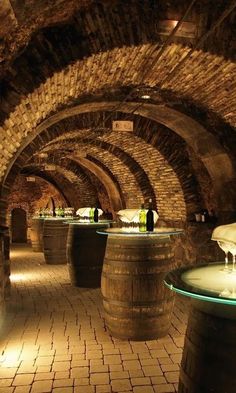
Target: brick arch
x: 110, y: 162
x: 144, y: 164
x: 48, y: 97
x: 170, y: 145
x: 59, y: 181
x: 187, y: 128
x: 45, y: 136
x: 88, y: 184
x: 82, y: 190
x: 133, y: 166
x: 110, y: 182
x: 158, y: 189
x: 95, y: 29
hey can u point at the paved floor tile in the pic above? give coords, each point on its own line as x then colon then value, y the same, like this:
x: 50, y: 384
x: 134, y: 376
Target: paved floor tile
x: 22, y: 389
x: 119, y: 385
x: 24, y: 379
x: 99, y: 379
x: 63, y: 382
x: 54, y: 338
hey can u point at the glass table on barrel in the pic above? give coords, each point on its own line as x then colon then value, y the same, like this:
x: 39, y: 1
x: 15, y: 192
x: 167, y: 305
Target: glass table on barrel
x: 137, y: 305
x: 209, y: 355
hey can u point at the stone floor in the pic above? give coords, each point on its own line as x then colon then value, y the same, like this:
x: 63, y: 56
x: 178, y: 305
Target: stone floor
x: 53, y: 339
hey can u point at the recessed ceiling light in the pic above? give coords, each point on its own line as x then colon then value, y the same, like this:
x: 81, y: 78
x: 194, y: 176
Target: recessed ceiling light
x: 43, y: 155
x: 146, y: 97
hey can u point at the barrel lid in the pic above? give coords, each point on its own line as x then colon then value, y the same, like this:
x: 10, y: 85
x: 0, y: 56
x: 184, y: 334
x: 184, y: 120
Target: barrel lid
x: 210, y: 282
x: 99, y: 224
x: 158, y: 232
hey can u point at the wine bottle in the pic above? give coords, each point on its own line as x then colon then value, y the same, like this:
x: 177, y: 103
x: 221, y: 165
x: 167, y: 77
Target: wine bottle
x: 95, y: 214
x: 91, y: 214
x: 150, y: 217
x: 142, y: 219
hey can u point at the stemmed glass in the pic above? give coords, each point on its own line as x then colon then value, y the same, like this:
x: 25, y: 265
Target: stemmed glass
x: 226, y: 248
x: 233, y: 252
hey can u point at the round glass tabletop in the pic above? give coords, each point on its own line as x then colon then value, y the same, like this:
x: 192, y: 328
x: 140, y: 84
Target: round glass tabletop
x: 209, y: 282
x: 162, y: 231
x: 90, y: 224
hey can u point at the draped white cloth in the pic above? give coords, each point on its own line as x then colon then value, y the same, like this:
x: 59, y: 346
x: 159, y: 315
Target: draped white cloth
x: 84, y: 212
x: 225, y: 233
x: 132, y: 215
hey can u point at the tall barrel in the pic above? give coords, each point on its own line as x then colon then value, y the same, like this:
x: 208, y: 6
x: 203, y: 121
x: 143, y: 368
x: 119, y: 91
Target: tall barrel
x: 54, y: 241
x: 85, y: 254
x: 36, y: 234
x: 208, y: 361
x: 137, y: 305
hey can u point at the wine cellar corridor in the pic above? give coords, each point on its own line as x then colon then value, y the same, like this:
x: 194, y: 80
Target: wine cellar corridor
x: 117, y: 196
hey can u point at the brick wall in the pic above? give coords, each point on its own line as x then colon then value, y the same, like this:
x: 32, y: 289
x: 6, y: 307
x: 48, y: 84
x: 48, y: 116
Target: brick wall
x: 31, y: 196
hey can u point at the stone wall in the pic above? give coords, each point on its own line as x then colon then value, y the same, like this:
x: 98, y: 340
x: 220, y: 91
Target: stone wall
x: 31, y: 196
x: 195, y: 245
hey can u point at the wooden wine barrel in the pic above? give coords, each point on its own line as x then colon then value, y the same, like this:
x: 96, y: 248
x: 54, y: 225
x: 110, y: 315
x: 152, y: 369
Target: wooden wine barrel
x: 36, y: 234
x: 85, y: 254
x: 137, y: 305
x: 208, y: 361
x: 54, y: 241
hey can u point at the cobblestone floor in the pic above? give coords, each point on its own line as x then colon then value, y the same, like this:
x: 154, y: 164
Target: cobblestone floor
x: 53, y: 339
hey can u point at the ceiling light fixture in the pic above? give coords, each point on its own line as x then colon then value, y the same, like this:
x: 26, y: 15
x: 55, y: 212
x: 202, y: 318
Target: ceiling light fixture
x: 146, y: 97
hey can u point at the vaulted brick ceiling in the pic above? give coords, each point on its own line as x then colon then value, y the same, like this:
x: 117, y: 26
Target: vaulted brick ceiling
x: 60, y: 60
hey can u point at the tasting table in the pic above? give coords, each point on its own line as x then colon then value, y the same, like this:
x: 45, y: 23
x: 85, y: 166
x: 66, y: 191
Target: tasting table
x: 209, y: 355
x: 137, y: 305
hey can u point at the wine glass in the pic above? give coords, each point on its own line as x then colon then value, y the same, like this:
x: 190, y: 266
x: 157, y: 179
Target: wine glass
x: 226, y: 248
x: 232, y: 250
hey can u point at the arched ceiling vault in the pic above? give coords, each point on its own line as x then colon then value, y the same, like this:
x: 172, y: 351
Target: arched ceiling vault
x: 74, y: 166
x: 202, y: 142
x: 77, y: 58
x: 142, y: 160
x: 111, y: 185
x: 58, y: 181
x: 89, y: 26
x: 76, y: 187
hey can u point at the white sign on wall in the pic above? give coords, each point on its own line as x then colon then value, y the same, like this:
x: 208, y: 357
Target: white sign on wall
x: 50, y: 167
x: 122, y: 125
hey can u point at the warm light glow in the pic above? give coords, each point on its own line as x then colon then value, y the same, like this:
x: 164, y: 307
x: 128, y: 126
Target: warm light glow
x: 146, y: 97
x: 12, y: 356
x: 213, y: 279
x: 15, y: 353
x: 43, y: 155
x: 20, y: 277
x: 173, y: 23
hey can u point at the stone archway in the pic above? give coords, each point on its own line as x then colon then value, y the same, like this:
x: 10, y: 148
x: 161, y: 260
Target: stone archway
x: 18, y: 225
